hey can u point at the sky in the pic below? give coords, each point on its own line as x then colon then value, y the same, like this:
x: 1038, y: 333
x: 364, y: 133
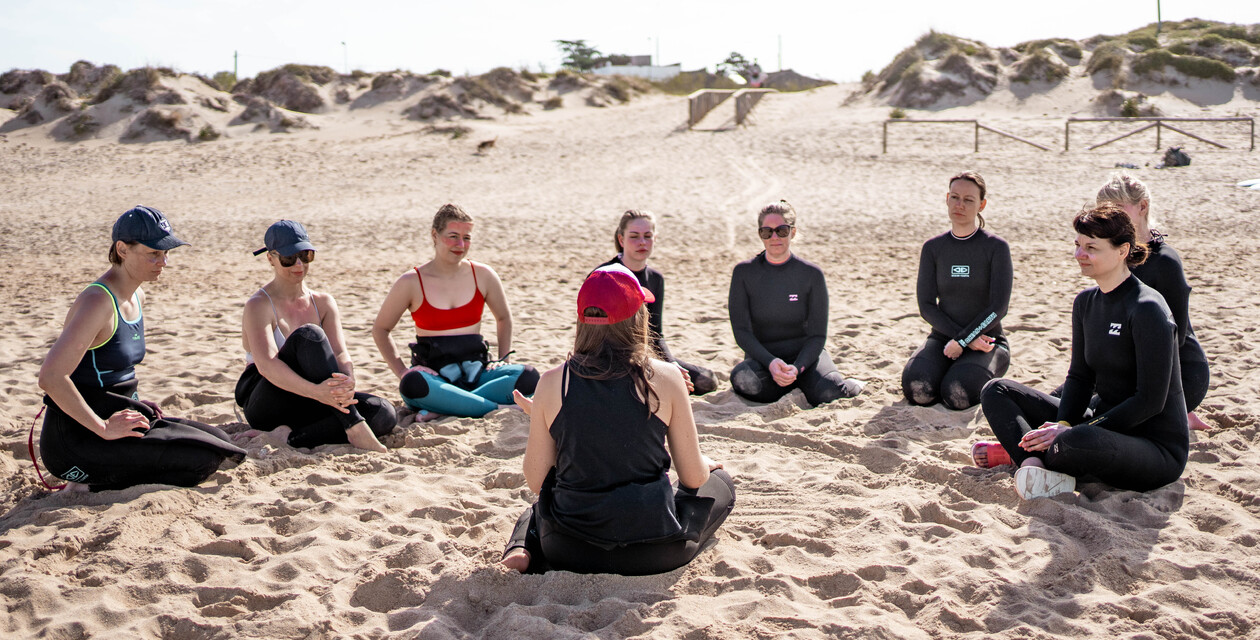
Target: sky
x: 836, y: 39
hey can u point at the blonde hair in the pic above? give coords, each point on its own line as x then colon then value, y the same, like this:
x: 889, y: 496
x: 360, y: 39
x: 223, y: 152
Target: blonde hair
x: 1125, y: 188
x: 628, y: 217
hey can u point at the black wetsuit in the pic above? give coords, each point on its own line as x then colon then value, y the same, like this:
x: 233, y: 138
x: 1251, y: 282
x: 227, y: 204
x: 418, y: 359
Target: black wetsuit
x: 1163, y: 272
x: 608, y: 505
x: 652, y: 280
x: 963, y: 290
x: 1124, y: 350
x: 307, y: 352
x: 173, y: 451
x: 780, y: 311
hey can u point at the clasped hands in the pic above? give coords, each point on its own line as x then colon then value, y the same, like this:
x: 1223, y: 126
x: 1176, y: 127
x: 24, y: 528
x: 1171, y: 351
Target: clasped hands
x: 982, y: 343
x: 337, y: 392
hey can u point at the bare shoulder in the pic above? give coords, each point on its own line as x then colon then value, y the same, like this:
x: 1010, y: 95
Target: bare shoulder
x: 665, y: 375
x: 484, y: 270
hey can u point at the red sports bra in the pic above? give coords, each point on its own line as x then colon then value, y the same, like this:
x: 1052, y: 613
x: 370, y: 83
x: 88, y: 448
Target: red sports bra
x: 431, y: 318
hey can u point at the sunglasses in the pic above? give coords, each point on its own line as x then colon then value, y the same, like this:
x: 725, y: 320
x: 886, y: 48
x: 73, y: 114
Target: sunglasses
x: 782, y: 231
x: 306, y: 256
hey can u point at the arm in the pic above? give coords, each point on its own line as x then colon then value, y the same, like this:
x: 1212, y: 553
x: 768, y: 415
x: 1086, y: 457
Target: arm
x: 926, y: 294
x: 815, y: 324
x: 1154, y: 336
x: 1001, y: 277
x: 1078, y: 389
x: 1176, y: 292
x: 89, y: 322
x: 741, y: 319
x: 684, y: 441
x: 540, y: 449
x: 396, y: 303
x: 497, y: 301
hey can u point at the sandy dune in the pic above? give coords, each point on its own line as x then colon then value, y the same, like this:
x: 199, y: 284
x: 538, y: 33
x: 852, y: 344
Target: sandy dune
x: 859, y: 518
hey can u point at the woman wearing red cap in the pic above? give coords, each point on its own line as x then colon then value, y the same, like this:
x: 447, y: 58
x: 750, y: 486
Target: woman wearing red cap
x: 98, y: 433
x: 597, y: 455
x: 298, y: 374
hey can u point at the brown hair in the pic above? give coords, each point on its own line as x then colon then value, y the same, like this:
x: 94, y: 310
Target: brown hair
x: 974, y: 178
x: 114, y: 258
x: 608, y: 351
x: 782, y: 208
x: 1109, y: 222
x: 447, y: 214
x: 628, y: 217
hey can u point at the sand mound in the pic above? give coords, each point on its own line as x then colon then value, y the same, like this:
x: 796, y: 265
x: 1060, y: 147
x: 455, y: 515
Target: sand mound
x: 263, y: 114
x: 789, y: 80
x: 88, y: 79
x: 18, y: 87
x: 1193, y: 60
x: 293, y: 87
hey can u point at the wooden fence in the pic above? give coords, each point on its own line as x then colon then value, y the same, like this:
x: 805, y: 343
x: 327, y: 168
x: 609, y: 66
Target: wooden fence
x: 975, y: 123
x: 701, y: 102
x: 1159, y: 125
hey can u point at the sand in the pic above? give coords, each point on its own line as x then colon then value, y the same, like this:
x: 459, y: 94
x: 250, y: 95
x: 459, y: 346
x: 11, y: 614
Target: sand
x: 857, y: 519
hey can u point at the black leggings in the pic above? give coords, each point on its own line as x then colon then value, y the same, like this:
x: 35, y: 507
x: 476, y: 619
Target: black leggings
x: 1195, y: 377
x: 549, y: 549
x: 308, y: 354
x: 174, y: 451
x: 820, y: 383
x: 1085, y: 451
x: 702, y: 379
x: 930, y: 376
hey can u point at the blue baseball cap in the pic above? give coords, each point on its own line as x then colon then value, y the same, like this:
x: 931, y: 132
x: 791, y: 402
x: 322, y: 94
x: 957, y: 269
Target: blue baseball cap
x: 147, y: 226
x: 286, y: 238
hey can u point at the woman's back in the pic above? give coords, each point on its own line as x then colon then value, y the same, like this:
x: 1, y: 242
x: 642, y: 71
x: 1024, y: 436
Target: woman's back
x: 605, y: 435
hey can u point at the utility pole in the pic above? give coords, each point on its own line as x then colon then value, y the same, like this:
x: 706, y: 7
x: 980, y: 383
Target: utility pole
x: 1159, y: 19
x: 780, y: 52
x: 345, y: 58
x: 235, y: 55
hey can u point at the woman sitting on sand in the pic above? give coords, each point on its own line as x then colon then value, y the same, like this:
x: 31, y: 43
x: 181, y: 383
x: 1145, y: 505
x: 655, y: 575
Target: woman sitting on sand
x: 1124, y: 349
x: 451, y: 372
x: 596, y: 454
x: 298, y: 375
x: 778, y: 308
x: 98, y: 434
x: 963, y: 290
x: 1163, y: 272
x: 635, y: 236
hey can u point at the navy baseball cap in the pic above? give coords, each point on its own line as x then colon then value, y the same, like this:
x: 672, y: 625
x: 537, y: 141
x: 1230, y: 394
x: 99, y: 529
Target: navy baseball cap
x: 147, y: 226
x: 286, y: 238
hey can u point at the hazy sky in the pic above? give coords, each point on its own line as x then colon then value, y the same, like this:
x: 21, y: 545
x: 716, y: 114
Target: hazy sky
x: 836, y: 39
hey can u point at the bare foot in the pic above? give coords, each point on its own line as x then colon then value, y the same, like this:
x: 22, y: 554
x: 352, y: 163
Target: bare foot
x: 362, y: 437
x: 276, y: 437
x: 517, y: 559
x: 76, y: 487
x: 245, y: 436
x: 1197, y: 423
x: 425, y: 416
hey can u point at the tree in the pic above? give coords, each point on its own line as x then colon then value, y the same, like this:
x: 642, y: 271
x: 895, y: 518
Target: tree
x: 579, y: 56
x: 748, y: 70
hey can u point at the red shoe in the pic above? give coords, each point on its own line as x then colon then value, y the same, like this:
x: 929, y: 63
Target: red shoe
x: 994, y: 455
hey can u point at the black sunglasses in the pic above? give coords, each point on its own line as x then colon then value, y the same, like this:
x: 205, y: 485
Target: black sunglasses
x: 782, y: 231
x: 306, y: 256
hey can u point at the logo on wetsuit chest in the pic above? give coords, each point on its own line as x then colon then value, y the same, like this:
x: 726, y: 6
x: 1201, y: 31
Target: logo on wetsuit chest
x: 792, y: 297
x: 960, y: 271
x: 1114, y: 330
x: 75, y: 474
x: 135, y: 336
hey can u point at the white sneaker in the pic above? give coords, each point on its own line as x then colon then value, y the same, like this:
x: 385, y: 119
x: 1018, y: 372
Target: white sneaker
x: 1039, y: 482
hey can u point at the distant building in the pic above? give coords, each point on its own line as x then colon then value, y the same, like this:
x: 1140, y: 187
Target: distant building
x: 640, y: 66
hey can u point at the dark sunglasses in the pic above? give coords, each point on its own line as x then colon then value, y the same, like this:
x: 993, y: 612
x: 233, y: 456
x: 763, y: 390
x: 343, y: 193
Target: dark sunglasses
x: 306, y: 256
x: 782, y: 231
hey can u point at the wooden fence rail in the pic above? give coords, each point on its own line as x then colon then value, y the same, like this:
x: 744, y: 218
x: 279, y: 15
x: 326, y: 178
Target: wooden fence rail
x: 974, y: 123
x: 1159, y: 124
x: 701, y: 102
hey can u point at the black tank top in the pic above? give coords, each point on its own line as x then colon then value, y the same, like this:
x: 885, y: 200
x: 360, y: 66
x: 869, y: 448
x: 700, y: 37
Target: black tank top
x: 610, y: 485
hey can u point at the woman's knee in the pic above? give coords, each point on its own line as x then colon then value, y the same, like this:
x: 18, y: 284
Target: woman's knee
x: 917, y: 388
x: 379, y: 414
x: 308, y: 332
x: 748, y: 380
x: 413, y: 385
x: 702, y: 379
x: 527, y: 382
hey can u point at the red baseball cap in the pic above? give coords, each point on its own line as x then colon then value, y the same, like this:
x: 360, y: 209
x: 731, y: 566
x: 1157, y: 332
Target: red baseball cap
x: 614, y: 290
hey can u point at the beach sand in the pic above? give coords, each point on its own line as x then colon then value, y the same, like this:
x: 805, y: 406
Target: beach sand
x: 858, y: 519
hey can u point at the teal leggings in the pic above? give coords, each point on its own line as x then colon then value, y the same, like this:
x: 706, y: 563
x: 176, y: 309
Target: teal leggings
x: 494, y: 387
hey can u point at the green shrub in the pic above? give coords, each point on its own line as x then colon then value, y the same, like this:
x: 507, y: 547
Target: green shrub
x: 208, y: 133
x: 310, y: 73
x: 689, y: 82
x: 1152, y: 62
x: 1211, y: 40
x: 1200, y: 67
x: 1143, y: 41
x: 224, y: 80
x: 936, y: 43
x: 897, y: 113
x: 528, y: 75
x: 897, y: 68
x: 440, y: 72
x: 554, y: 102
x: 1039, y: 66
x: 1181, y: 48
x: 456, y: 131
x: 1236, y: 32
x: 1129, y: 108
x: 869, y: 79
x: 1109, y: 56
